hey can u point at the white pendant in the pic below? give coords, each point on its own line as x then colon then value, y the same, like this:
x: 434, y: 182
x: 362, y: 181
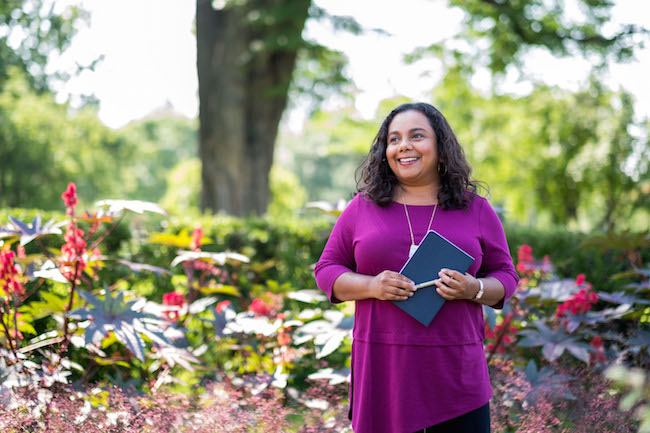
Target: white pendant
x: 412, y: 250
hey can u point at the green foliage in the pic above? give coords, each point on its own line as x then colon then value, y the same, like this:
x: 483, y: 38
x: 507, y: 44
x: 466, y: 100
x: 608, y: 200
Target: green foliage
x: 164, y: 162
x: 553, y: 157
x: 636, y: 384
x: 43, y: 143
x: 287, y: 194
x: 183, y: 187
x: 32, y: 31
x: 576, y: 253
x: 509, y: 28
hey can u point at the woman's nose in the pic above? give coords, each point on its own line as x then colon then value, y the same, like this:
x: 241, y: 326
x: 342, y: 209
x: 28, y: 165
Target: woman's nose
x: 405, y: 144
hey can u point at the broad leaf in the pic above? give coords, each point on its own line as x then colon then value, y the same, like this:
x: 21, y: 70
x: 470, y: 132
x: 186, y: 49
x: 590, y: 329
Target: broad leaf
x: 137, y: 206
x: 173, y: 356
x: 125, y: 319
x: 49, y: 271
x: 550, y: 292
x: 308, y: 295
x: 218, y: 258
x: 201, y: 304
x: 139, y: 267
x: 335, y: 377
x: 327, y: 334
x: 50, y: 304
x: 29, y: 232
x: 553, y: 342
x: 622, y: 298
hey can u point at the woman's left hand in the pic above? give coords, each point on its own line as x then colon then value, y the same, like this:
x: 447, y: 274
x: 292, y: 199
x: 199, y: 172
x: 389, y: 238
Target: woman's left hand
x: 453, y: 285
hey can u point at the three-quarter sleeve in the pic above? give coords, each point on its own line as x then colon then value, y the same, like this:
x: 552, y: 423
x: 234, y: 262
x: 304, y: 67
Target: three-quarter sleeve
x: 497, y: 261
x: 338, y: 254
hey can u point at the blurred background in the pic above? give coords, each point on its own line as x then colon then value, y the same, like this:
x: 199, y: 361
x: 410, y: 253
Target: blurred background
x: 254, y: 107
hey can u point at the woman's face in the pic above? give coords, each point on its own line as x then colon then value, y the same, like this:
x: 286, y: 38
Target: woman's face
x: 412, y: 149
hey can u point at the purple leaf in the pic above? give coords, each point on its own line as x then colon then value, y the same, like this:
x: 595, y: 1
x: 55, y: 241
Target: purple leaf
x: 30, y: 232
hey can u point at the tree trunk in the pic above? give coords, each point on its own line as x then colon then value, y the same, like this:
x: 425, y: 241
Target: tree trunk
x: 242, y: 93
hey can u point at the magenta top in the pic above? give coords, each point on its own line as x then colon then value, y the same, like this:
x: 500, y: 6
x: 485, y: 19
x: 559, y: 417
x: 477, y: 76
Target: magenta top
x: 406, y: 376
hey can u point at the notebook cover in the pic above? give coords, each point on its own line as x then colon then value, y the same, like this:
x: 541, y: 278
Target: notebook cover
x: 434, y: 253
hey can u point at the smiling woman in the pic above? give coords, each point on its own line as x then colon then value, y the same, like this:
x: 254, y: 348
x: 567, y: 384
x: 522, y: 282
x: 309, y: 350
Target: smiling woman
x: 416, y: 178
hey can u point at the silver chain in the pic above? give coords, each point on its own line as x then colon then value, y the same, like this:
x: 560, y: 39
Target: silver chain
x: 409, y: 219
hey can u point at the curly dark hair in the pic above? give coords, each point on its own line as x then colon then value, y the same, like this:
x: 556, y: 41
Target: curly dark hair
x: 377, y: 181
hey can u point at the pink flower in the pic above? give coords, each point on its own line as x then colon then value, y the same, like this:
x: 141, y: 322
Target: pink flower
x: 197, y: 235
x: 72, y: 253
x: 173, y: 298
x: 580, y: 279
x: 258, y: 306
x: 222, y: 306
x: 9, y: 276
x: 70, y: 198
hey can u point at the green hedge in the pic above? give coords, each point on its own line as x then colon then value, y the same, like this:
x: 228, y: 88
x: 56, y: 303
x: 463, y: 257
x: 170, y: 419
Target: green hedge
x: 284, y: 252
x: 572, y: 253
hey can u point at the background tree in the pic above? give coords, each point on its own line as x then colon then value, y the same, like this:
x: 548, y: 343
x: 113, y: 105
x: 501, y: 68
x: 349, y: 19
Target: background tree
x: 247, y: 52
x: 31, y: 31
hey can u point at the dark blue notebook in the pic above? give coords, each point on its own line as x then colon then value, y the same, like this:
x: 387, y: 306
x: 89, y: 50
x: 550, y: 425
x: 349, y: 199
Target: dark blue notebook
x: 434, y: 253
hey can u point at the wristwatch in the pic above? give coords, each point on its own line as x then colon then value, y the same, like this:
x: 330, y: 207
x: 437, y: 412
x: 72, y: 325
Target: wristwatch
x: 481, y: 288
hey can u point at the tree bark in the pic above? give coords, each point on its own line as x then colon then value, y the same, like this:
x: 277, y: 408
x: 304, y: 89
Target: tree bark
x: 243, y: 93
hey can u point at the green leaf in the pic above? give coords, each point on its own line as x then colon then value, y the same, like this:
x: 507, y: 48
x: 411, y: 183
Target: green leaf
x: 50, y: 305
x: 222, y: 289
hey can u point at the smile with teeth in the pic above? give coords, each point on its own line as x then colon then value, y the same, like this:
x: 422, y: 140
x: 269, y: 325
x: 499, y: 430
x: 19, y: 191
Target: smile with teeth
x: 407, y: 160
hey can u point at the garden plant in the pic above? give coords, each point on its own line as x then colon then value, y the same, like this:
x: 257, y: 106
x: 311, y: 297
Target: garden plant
x: 217, y: 326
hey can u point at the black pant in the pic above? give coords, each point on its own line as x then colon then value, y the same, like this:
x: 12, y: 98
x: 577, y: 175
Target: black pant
x: 476, y: 421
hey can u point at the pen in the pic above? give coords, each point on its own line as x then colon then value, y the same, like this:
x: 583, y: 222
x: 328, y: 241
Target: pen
x: 425, y: 284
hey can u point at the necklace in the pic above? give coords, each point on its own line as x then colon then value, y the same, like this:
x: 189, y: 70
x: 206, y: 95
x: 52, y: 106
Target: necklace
x: 414, y: 246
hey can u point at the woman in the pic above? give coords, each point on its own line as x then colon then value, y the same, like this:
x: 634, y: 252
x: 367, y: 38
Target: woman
x: 407, y: 377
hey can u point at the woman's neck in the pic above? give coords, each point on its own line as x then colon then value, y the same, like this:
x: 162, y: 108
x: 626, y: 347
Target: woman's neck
x: 416, y: 195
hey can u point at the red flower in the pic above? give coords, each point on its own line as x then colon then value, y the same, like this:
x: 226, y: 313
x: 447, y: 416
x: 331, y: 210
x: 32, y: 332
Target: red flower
x: 505, y: 333
x: 221, y: 306
x: 173, y: 298
x: 72, y: 253
x: 258, y: 306
x: 9, y: 276
x: 580, y: 279
x: 579, y: 303
x: 597, y: 342
x: 197, y: 235
x: 70, y: 198
x: 525, y: 253
x: 598, y: 355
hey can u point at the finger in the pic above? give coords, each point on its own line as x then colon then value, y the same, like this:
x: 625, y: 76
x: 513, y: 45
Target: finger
x: 402, y: 292
x: 451, y: 273
x: 447, y: 292
x: 398, y: 295
x: 404, y: 283
x: 444, y: 294
x: 448, y: 281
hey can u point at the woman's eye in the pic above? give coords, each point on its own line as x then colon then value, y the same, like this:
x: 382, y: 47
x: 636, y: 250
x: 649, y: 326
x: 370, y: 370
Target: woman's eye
x: 418, y: 135
x: 393, y: 139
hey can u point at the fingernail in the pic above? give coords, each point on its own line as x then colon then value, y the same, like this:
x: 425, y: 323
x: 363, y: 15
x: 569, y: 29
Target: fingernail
x: 411, y: 294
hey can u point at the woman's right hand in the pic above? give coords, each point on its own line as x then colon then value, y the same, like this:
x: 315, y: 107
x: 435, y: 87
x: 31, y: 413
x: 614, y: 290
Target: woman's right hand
x: 391, y: 286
